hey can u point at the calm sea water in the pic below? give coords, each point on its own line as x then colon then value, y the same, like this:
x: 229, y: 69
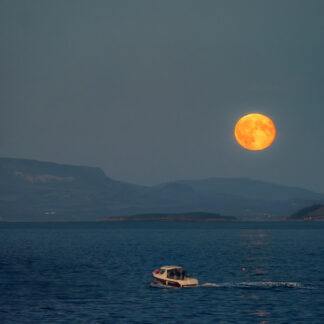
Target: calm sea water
x: 101, y: 272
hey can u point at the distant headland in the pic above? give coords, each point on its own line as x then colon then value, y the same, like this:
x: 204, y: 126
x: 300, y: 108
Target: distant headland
x: 310, y: 213
x: 178, y: 217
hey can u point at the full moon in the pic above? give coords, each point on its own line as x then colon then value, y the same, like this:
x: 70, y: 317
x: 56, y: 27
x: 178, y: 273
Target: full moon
x: 255, y: 132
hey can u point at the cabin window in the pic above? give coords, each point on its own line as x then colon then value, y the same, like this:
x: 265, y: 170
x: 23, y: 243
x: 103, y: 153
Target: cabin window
x: 171, y: 274
x: 162, y: 271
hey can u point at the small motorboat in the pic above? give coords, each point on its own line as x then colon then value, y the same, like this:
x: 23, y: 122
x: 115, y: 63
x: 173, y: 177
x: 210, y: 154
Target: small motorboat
x: 174, y: 276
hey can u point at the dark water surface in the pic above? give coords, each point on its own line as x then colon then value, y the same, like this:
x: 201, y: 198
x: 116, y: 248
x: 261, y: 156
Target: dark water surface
x: 100, y: 272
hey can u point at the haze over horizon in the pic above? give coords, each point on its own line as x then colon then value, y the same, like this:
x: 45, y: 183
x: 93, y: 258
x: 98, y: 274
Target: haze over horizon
x: 150, y: 91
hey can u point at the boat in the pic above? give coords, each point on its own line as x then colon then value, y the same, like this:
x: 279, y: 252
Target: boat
x: 174, y: 276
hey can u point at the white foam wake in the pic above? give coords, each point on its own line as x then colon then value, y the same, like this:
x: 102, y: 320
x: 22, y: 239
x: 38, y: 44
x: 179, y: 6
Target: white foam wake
x: 245, y: 285
x: 255, y: 285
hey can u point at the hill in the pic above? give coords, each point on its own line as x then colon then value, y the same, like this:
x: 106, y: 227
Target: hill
x: 43, y: 191
x: 310, y: 213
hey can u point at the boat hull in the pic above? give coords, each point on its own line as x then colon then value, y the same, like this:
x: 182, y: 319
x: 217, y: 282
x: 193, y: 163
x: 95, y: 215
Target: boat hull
x: 175, y: 283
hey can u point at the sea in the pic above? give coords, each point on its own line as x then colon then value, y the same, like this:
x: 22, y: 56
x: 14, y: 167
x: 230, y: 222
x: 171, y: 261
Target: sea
x: 248, y: 272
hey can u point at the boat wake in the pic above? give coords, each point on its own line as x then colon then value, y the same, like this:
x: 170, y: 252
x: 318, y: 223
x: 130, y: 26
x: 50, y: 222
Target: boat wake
x: 244, y: 285
x: 256, y: 285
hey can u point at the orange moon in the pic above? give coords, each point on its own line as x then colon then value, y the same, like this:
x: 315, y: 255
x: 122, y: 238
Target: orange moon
x: 255, y: 132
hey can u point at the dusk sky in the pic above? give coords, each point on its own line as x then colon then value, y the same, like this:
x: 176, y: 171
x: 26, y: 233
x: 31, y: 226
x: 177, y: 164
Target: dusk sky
x: 150, y: 91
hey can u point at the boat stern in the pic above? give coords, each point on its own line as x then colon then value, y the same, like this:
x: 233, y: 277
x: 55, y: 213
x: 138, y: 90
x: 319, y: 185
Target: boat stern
x: 190, y: 282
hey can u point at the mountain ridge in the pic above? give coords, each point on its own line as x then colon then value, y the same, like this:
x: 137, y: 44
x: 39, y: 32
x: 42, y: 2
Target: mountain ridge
x: 37, y: 191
